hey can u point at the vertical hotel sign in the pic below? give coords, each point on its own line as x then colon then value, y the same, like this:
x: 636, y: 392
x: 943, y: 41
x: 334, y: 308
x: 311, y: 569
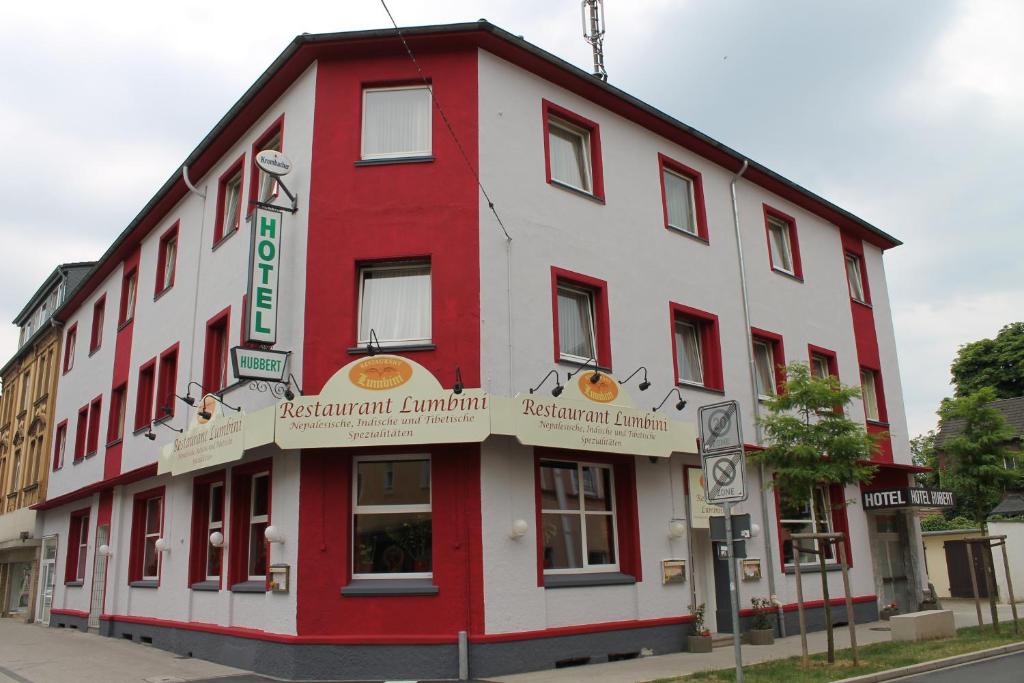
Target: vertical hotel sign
x: 264, y: 276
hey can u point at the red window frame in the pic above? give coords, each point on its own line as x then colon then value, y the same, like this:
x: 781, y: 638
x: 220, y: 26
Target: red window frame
x: 98, y: 311
x: 778, y: 354
x: 77, y: 520
x: 122, y: 316
x: 666, y: 163
x: 840, y: 524
x: 93, y: 439
x: 862, y: 266
x: 236, y: 168
x: 167, y: 380
x: 61, y: 435
x: 136, y: 551
x: 827, y: 354
x: 200, y: 540
x: 81, y: 428
x: 549, y: 109
x: 275, y: 128
x: 883, y: 413
x: 215, y: 362
x: 710, y: 342
x: 144, y: 394
x: 161, y: 259
x: 627, y: 522
x: 70, y: 339
x: 241, y: 492
x: 118, y: 407
x: 602, y: 325
x: 794, y: 241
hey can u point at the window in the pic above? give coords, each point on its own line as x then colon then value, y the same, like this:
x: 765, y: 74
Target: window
x: 682, y: 196
x: 869, y: 393
x: 811, y: 516
x: 206, y: 559
x: 855, y: 278
x: 78, y: 547
x: 259, y: 519
x: 128, y: 295
x: 580, y: 318
x: 395, y: 302
x: 396, y: 122
x: 69, y: 348
x: 115, y: 427
x: 768, y: 361
x: 60, y: 443
x: 250, y: 516
x: 81, y: 428
x: 783, y: 247
x: 98, y: 309
x: 229, y: 202
x: 577, y: 517
x: 215, y: 523
x: 93, y: 442
x: 167, y: 382
x: 572, y: 148
x: 696, y: 347
x: 391, y: 517
x: 819, y: 366
x: 215, y: 362
x: 166, y: 260
x: 144, y: 395
x: 264, y: 189
x: 15, y: 482
x: 823, y: 362
x: 26, y: 384
x: 147, y: 528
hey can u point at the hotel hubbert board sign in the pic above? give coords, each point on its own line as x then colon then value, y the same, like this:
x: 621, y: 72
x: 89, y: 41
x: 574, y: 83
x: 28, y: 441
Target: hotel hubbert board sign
x: 591, y: 416
x: 382, y: 400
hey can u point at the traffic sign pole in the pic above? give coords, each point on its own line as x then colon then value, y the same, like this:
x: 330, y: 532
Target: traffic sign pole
x: 734, y: 598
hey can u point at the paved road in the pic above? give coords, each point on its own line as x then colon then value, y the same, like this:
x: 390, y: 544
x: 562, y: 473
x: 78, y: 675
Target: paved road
x: 1002, y: 669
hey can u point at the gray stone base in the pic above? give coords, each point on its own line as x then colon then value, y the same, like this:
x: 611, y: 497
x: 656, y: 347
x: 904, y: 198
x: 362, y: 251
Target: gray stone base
x: 69, y: 621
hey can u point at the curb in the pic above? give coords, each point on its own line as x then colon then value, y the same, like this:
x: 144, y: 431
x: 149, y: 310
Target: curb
x: 924, y: 667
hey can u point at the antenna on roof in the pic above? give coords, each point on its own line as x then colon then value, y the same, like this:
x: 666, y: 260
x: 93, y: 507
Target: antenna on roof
x: 593, y: 10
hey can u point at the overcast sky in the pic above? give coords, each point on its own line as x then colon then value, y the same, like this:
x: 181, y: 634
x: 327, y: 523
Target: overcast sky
x: 910, y: 114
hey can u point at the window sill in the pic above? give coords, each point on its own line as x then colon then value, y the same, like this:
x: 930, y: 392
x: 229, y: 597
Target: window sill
x: 12, y: 494
x: 396, y: 160
x: 166, y: 418
x: 361, y: 350
x: 111, y: 444
x: 77, y: 461
x: 92, y: 352
x: 877, y: 423
x: 791, y: 276
x: 224, y: 238
x: 125, y: 323
x: 576, y: 191
x: 388, y: 587
x: 606, y: 369
x: 89, y: 454
x: 683, y: 384
x: 141, y: 430
x: 813, y: 568
x: 31, y: 487
x: 581, y: 580
x: 74, y: 584
x: 865, y: 304
x: 145, y: 583
x: 250, y: 587
x: 159, y: 295
x: 205, y: 586
x: 696, y: 237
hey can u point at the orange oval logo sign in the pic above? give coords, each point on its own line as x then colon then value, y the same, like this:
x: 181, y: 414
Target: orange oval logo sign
x: 604, y: 390
x: 380, y: 374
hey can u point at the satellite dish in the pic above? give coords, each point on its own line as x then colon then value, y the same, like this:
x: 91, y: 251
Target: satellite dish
x: 273, y: 162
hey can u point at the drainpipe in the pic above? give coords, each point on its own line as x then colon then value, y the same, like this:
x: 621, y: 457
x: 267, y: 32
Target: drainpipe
x: 768, y: 554
x: 199, y: 267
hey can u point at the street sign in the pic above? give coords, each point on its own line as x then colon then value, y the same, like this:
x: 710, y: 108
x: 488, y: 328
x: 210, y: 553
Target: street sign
x: 740, y: 527
x: 720, y: 427
x: 725, y: 477
x: 739, y: 550
x: 259, y: 363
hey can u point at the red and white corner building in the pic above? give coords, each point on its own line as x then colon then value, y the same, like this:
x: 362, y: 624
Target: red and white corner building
x: 393, y: 514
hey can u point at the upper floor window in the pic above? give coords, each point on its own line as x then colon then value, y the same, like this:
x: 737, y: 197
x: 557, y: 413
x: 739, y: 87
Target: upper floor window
x: 98, y: 310
x: 60, y: 442
x: 26, y: 384
x: 81, y: 427
x: 698, y: 355
x: 395, y: 302
x: 144, y: 395
x: 167, y: 259
x: 572, y: 146
x: 396, y: 122
x: 682, y: 195
x: 855, y: 278
x: 129, y: 287
x: 229, y: 202
x: 115, y: 427
x: 819, y: 366
x: 581, y: 318
x: 69, y: 347
x: 869, y: 394
x: 93, y: 438
x: 577, y: 503
x: 215, y: 362
x: 166, y: 382
x: 768, y: 363
x: 264, y: 188
x: 783, y: 246
x: 392, y: 517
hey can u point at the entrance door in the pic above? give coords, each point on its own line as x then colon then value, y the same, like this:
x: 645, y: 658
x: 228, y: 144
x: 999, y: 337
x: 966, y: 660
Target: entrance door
x: 47, y: 571
x: 19, y: 581
x: 99, y: 577
x: 891, y: 562
x: 959, y: 569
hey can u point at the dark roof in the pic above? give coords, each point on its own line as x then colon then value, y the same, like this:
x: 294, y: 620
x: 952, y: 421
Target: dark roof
x: 1011, y: 408
x: 74, y: 272
x: 306, y: 48
x: 1012, y: 505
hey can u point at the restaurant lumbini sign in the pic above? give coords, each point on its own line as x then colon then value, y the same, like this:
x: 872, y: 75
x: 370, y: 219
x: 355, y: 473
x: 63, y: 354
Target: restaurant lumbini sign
x: 218, y: 440
x: 382, y: 400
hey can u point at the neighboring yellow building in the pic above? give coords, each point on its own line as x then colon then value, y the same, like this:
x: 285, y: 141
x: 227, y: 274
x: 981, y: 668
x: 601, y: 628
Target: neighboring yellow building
x: 26, y: 431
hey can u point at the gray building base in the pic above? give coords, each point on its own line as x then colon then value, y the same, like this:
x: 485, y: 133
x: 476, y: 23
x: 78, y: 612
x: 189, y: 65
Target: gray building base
x: 69, y: 621
x: 411, y: 662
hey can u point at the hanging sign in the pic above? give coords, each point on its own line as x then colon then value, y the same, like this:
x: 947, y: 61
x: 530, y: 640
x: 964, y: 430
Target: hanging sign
x: 273, y: 162
x: 700, y: 509
x: 382, y: 400
x: 724, y: 477
x: 591, y: 416
x: 264, y: 276
x: 208, y: 443
x: 720, y: 427
x: 259, y: 363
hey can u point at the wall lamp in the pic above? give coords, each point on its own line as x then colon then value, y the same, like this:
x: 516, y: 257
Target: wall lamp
x: 273, y: 535
x: 206, y: 414
x: 187, y: 398
x: 680, y: 404
x: 557, y: 391
x: 217, y: 539
x: 458, y: 386
x: 289, y: 395
x: 594, y: 378
x: 518, y: 530
x: 645, y: 385
x: 373, y: 340
x: 152, y: 437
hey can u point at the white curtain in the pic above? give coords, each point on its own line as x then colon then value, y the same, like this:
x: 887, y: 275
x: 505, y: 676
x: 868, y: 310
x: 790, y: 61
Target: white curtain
x: 268, y: 183
x: 680, y: 207
x: 688, y: 353
x: 170, y: 258
x: 568, y: 157
x: 867, y: 390
x: 396, y: 122
x: 765, y: 369
x: 396, y: 305
x: 853, y: 274
x: 232, y: 202
x: 575, y: 323
x: 781, y: 257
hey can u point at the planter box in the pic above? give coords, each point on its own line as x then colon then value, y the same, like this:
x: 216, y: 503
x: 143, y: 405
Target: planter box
x: 761, y: 636
x: 700, y: 644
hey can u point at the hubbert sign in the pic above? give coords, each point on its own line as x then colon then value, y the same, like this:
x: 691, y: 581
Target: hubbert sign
x: 264, y: 275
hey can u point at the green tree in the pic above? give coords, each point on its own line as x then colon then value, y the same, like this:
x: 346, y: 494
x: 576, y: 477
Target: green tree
x: 997, y: 363
x: 923, y: 454
x: 809, y: 441
x: 976, y: 457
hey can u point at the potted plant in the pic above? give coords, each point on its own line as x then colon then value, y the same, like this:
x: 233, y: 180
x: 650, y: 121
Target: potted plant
x: 889, y: 610
x: 700, y: 639
x: 762, y: 629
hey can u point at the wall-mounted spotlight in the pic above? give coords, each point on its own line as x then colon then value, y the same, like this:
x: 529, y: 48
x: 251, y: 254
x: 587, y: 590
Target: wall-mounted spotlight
x: 370, y: 344
x: 594, y: 378
x: 458, y: 386
x: 187, y: 398
x: 680, y: 404
x: 206, y: 414
x: 152, y: 437
x: 557, y: 391
x: 644, y: 385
